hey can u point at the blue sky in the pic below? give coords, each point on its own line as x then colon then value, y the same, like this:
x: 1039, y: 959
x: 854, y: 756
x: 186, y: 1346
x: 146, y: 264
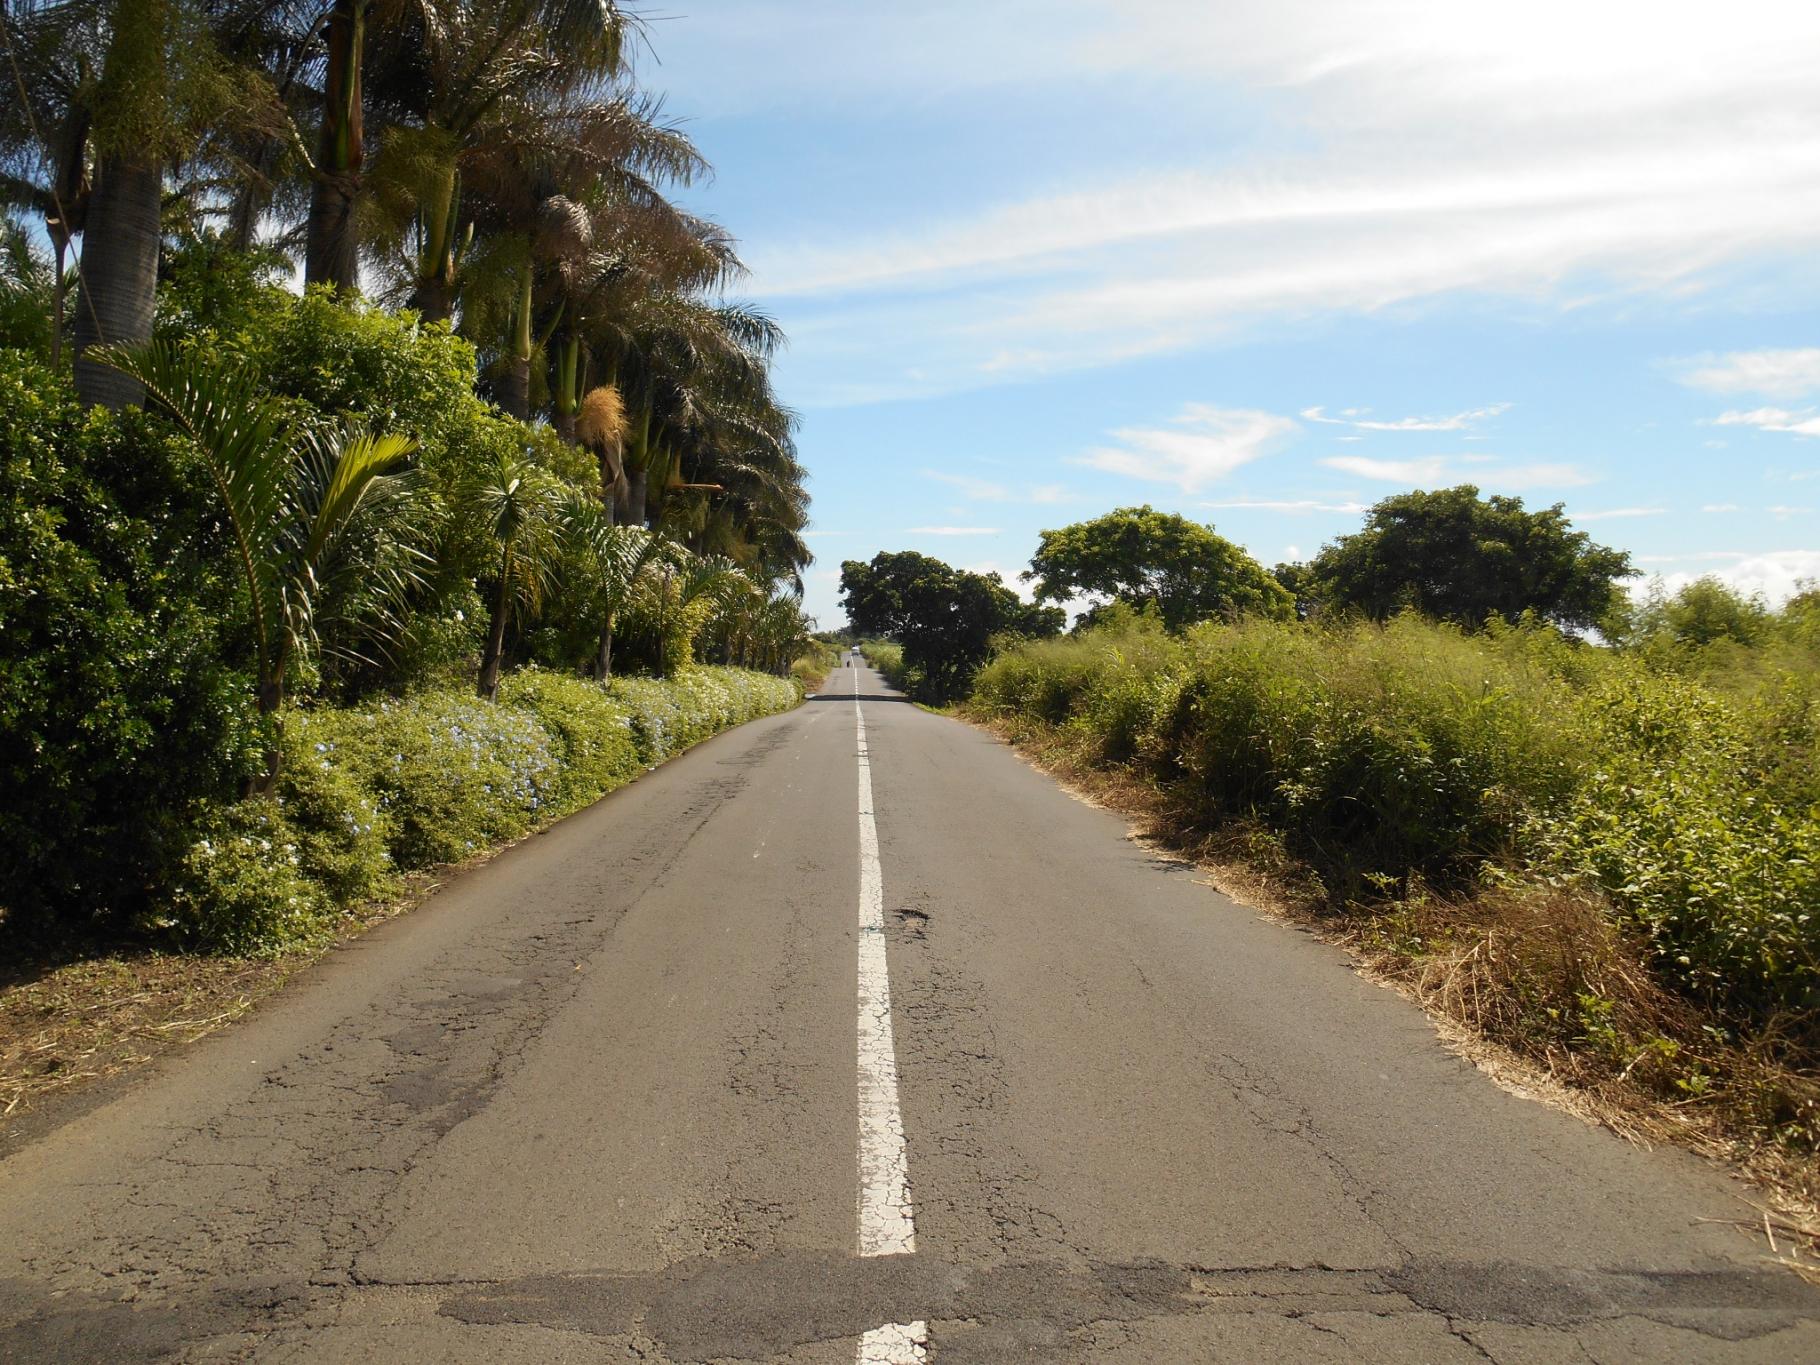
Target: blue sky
x: 1266, y: 261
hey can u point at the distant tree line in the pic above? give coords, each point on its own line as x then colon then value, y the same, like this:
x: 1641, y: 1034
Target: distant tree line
x: 1449, y: 555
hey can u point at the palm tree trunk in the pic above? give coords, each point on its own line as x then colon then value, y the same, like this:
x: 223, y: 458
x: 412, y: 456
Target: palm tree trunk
x: 119, y: 273
x: 268, y: 697
x: 331, y: 255
x: 434, y: 297
x: 58, y: 291
x: 488, y: 685
x: 515, y: 387
x: 565, y: 393
x: 637, y: 490
x: 603, y: 658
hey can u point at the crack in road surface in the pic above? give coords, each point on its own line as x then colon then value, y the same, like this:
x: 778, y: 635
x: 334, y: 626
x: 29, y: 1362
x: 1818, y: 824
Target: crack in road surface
x: 619, y: 1095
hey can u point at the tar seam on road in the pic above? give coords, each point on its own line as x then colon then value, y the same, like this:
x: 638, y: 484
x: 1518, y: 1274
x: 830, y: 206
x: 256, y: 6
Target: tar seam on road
x: 887, y: 1222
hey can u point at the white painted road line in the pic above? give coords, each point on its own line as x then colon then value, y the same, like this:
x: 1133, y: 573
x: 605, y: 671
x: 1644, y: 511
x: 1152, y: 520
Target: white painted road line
x: 887, y: 1221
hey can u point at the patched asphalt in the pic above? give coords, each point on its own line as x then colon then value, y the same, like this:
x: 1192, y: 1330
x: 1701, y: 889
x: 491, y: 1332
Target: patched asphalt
x: 596, y: 1101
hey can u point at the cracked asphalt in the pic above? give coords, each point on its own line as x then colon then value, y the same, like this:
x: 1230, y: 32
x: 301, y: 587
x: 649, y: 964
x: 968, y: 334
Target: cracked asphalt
x: 596, y: 1101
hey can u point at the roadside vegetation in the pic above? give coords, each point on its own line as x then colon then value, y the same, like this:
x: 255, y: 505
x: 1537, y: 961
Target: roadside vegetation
x: 1602, y: 852
x: 302, y: 590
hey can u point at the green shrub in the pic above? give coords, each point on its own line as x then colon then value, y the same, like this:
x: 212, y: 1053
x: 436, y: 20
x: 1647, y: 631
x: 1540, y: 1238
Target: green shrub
x: 451, y: 774
x: 592, y: 732
x: 888, y: 659
x: 120, y: 708
x: 1672, y: 822
x: 1390, y: 756
x: 241, y: 886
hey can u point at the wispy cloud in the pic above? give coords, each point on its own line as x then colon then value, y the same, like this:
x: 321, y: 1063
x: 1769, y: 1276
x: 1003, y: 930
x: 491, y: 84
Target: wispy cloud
x: 951, y: 530
x: 1201, y: 445
x: 1360, y: 419
x: 1428, y: 469
x: 986, y: 490
x: 1804, y: 423
x: 1619, y: 513
x: 1484, y: 470
x: 1721, y: 507
x: 1781, y: 513
x: 1288, y: 505
x: 1789, y: 373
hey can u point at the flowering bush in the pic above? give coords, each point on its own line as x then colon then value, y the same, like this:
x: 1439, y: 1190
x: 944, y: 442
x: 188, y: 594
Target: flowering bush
x: 367, y: 792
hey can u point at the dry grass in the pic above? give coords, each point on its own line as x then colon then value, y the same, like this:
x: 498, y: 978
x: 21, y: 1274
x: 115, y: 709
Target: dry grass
x: 1536, y: 986
x: 71, y: 1016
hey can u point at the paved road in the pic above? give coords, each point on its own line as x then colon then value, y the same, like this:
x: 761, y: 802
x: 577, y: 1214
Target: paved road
x: 650, y: 1086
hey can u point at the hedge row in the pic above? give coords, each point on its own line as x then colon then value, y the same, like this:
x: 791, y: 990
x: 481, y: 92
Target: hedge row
x: 438, y: 776
x: 1390, y: 758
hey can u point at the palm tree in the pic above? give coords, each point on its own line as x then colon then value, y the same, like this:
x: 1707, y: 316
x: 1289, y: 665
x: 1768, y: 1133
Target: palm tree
x: 609, y: 562
x: 519, y: 506
x: 332, y: 245
x: 305, y: 506
x: 465, y: 85
x: 54, y: 52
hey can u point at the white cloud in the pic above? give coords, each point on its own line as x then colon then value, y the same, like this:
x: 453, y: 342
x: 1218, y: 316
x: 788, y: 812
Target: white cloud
x: 1355, y: 417
x: 1395, y: 151
x: 1201, y: 445
x: 1784, y: 513
x: 1777, y: 574
x: 1793, y: 373
x: 1484, y: 470
x: 1804, y: 423
x: 1428, y: 469
x: 1288, y: 505
x: 1619, y: 513
x: 951, y: 531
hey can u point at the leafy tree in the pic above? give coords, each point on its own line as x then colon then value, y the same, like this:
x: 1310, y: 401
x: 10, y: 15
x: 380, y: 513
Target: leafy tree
x: 1143, y: 557
x: 1455, y: 556
x: 118, y: 707
x: 945, y: 618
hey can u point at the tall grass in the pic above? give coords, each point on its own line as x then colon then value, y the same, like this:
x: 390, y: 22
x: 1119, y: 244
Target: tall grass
x: 1681, y: 791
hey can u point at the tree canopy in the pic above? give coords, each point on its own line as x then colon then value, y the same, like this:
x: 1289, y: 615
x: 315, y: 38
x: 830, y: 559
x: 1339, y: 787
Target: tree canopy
x: 944, y: 617
x: 1148, y: 558
x: 1458, y: 557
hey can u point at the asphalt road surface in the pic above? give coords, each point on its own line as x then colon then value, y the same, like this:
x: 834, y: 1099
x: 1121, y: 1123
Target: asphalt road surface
x: 847, y: 1036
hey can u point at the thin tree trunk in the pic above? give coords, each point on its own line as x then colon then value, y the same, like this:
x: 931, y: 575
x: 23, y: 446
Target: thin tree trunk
x: 488, y: 685
x: 119, y: 274
x: 609, y: 486
x: 332, y: 254
x: 268, y: 698
x: 637, y: 489
x: 603, y: 658
x: 58, y: 290
x: 564, y: 424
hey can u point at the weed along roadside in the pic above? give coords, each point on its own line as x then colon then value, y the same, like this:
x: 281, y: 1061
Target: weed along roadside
x: 373, y: 806
x: 1601, y: 861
